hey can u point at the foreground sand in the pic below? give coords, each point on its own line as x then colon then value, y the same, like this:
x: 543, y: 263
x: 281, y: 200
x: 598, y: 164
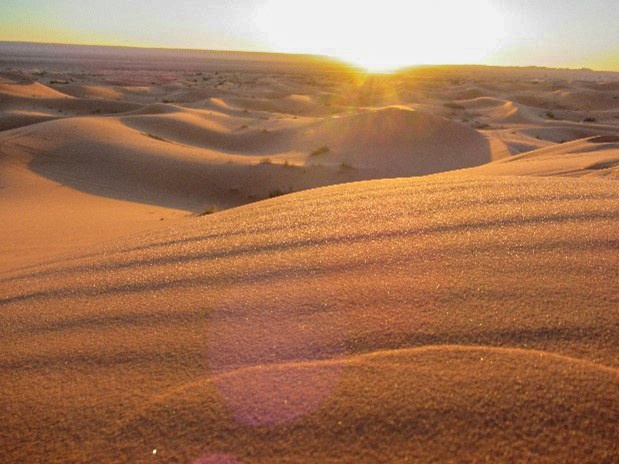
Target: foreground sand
x: 466, y: 316
x: 432, y: 319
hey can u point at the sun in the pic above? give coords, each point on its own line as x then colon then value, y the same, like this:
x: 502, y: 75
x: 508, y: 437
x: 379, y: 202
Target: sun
x: 384, y: 35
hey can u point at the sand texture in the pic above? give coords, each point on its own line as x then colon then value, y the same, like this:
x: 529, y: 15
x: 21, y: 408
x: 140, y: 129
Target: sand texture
x: 420, y: 267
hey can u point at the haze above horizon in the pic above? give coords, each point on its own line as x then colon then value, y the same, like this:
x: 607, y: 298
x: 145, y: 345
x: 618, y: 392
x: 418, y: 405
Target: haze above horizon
x: 376, y: 35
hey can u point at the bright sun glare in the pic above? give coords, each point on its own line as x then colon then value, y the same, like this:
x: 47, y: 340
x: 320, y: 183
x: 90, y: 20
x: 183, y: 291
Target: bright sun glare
x: 384, y: 35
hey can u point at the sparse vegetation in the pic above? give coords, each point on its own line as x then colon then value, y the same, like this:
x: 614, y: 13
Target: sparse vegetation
x: 481, y: 126
x: 550, y: 115
x: 454, y: 106
x: 320, y: 151
x: 346, y: 167
x: 155, y: 137
x: 266, y: 161
x: 590, y: 120
x: 276, y: 193
x: 211, y: 209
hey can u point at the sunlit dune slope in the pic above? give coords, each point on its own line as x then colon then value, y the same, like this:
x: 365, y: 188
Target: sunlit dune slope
x: 590, y: 157
x: 444, y: 318
x: 42, y: 218
x: 30, y: 90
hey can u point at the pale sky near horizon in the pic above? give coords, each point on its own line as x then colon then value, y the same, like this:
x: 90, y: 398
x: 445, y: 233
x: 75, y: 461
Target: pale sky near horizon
x: 377, y: 34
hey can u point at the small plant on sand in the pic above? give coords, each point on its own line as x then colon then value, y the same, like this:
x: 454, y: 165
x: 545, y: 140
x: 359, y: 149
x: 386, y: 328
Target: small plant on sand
x: 344, y: 167
x: 481, y: 126
x: 550, y: 115
x: 454, y: 106
x: 279, y: 192
x: 266, y: 161
x: 276, y: 193
x: 320, y: 151
x: 211, y: 209
x: 590, y: 120
x: 154, y: 137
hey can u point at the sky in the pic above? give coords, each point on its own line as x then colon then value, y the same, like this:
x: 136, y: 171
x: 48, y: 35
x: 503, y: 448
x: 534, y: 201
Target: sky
x: 376, y: 34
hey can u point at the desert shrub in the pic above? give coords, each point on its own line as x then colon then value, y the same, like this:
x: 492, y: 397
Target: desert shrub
x: 266, y: 161
x: 154, y: 137
x: 590, y: 120
x: 454, y: 106
x: 481, y: 126
x: 211, y: 209
x: 276, y: 193
x: 346, y: 167
x: 320, y: 151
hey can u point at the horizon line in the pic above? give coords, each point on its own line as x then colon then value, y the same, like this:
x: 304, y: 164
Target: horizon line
x: 335, y: 59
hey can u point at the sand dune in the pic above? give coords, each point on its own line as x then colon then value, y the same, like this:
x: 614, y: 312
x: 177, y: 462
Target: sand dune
x: 388, y: 391
x: 183, y: 158
x: 92, y: 92
x: 36, y: 211
x: 466, y: 316
x: 148, y: 343
x: 165, y: 159
x: 32, y: 90
x: 572, y: 99
x: 595, y: 156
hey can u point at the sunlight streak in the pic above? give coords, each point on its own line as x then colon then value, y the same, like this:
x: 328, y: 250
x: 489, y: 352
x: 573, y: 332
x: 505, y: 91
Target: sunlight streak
x: 383, y: 38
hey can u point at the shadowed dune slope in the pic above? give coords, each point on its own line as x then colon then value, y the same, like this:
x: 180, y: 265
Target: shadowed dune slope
x: 27, y: 104
x: 186, y: 159
x: 392, y: 320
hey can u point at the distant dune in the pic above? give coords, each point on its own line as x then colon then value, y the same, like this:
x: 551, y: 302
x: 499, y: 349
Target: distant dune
x: 591, y: 157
